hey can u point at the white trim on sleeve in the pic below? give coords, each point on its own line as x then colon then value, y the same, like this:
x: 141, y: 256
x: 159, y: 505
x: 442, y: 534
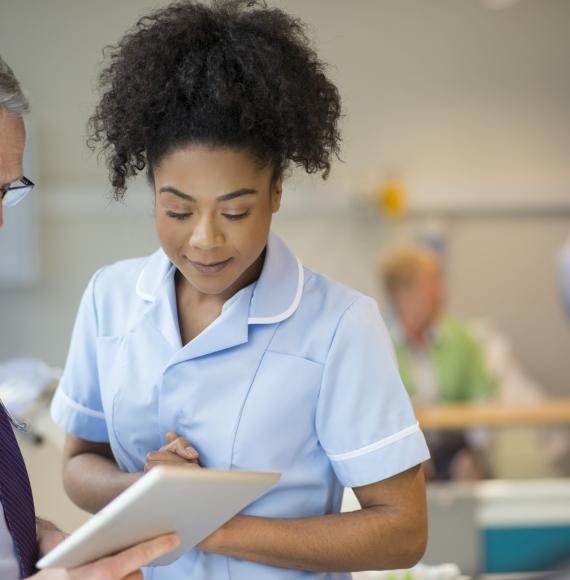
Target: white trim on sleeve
x: 375, y: 446
x: 80, y: 408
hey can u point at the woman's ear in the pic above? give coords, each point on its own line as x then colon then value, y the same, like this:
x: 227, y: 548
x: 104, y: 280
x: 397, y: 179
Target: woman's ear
x: 276, y: 190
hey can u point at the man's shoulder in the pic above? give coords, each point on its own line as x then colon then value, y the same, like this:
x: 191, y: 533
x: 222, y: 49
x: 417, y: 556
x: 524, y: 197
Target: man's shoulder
x: 457, y: 330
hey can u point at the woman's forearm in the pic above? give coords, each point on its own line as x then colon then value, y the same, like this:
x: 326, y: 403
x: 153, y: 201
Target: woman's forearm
x: 92, y: 480
x: 369, y: 539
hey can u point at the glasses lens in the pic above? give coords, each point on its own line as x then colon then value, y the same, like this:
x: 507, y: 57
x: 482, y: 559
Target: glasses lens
x: 14, y: 196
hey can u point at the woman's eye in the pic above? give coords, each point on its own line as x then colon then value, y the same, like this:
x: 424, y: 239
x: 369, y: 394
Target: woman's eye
x: 178, y: 216
x: 236, y: 216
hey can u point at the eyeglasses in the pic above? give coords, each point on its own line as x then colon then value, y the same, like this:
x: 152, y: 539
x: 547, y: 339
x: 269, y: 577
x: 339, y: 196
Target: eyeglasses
x: 14, y: 193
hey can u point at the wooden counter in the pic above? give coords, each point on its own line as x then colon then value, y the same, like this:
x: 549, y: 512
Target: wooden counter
x: 459, y: 416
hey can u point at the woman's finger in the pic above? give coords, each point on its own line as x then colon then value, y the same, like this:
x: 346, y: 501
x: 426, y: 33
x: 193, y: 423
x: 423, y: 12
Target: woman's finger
x: 164, y: 456
x: 181, y: 447
x: 171, y: 436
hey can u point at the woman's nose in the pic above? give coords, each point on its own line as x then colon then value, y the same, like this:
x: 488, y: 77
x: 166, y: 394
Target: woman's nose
x: 206, y: 236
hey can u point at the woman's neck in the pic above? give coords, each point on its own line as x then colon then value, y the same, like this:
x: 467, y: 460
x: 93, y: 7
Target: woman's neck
x: 197, y: 310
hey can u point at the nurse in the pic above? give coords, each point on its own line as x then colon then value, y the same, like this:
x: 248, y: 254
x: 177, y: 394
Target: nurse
x: 221, y: 350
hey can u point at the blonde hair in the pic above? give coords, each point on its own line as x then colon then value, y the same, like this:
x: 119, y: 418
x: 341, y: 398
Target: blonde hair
x: 399, y: 268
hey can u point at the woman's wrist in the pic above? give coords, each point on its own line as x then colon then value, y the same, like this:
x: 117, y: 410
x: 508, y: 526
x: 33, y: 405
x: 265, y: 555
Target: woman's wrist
x: 220, y: 541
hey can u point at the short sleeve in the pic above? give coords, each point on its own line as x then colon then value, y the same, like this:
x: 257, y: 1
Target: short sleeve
x: 365, y: 421
x: 77, y: 406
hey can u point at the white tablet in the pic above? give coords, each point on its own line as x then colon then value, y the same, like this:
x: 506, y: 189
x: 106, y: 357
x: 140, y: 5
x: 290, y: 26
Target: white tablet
x: 191, y: 502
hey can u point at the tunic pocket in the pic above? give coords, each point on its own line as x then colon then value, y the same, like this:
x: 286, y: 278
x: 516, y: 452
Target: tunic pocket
x: 277, y: 423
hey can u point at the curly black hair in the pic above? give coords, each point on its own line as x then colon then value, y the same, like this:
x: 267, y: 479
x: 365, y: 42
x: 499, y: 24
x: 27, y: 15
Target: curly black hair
x: 234, y: 74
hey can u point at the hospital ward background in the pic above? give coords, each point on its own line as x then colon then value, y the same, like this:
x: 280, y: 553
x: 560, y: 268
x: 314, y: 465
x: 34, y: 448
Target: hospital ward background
x: 450, y: 206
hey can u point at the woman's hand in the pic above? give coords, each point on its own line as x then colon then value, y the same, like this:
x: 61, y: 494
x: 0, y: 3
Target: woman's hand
x: 177, y: 452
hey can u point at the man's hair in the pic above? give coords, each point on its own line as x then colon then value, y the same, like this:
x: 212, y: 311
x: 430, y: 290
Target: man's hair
x: 12, y: 99
x: 400, y: 267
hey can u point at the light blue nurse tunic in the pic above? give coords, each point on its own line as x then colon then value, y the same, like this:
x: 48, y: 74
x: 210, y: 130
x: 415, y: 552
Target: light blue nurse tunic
x: 296, y: 375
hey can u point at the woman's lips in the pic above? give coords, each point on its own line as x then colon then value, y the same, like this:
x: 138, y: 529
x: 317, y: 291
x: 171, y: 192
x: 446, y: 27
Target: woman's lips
x: 211, y: 268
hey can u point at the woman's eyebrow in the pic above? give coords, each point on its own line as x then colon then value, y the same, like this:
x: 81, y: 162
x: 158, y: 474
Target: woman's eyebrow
x: 224, y: 197
x: 177, y: 192
x: 237, y: 193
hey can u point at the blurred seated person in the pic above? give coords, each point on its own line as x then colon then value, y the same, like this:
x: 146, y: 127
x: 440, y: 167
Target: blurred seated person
x: 440, y: 360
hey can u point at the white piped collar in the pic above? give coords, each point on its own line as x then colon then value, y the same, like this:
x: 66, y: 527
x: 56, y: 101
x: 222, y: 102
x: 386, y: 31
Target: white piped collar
x: 153, y: 275
x: 277, y: 293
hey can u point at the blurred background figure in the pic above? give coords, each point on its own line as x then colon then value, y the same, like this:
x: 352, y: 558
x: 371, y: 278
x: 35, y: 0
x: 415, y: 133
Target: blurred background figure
x: 440, y: 360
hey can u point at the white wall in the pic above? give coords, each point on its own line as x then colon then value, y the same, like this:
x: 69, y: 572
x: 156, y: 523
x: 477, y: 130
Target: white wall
x: 452, y: 94
x: 467, y: 104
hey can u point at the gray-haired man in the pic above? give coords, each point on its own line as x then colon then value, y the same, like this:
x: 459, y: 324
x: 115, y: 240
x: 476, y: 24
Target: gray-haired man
x: 13, y: 106
x: 23, y: 537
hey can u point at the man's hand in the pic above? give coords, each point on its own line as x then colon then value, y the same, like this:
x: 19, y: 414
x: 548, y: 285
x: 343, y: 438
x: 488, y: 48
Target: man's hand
x: 123, y: 566
x: 177, y: 452
x: 49, y: 536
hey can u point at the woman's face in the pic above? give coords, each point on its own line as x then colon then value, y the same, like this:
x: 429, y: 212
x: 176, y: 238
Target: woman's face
x: 213, y: 210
